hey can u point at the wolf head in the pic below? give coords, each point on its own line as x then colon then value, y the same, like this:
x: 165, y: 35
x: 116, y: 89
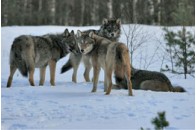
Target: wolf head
x: 69, y: 39
x: 85, y: 43
x: 111, y: 29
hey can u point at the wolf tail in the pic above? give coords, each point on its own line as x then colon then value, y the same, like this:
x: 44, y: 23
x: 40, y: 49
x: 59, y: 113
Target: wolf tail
x: 123, y: 69
x: 67, y: 66
x: 171, y: 87
x: 17, y: 60
x: 178, y: 89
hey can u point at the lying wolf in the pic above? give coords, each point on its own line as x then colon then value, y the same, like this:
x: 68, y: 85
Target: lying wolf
x: 109, y: 29
x: 111, y: 56
x: 149, y: 80
x: 30, y: 52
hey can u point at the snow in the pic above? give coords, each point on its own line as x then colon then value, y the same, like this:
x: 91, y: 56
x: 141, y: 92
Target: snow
x: 72, y: 106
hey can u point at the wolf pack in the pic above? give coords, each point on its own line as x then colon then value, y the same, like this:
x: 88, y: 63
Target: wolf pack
x: 97, y: 49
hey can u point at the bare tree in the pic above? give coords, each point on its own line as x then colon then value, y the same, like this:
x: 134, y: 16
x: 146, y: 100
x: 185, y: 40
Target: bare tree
x: 147, y: 60
x: 135, y: 37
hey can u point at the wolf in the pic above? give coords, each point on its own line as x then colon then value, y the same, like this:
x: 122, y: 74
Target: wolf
x: 108, y: 55
x: 30, y: 52
x: 150, y: 80
x: 110, y: 29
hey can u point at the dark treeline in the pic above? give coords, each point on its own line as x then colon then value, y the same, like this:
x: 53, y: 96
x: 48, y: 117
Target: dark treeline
x: 91, y: 12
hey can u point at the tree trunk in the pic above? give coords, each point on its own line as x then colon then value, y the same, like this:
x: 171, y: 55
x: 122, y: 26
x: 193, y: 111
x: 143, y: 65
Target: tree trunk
x: 52, y: 10
x: 134, y: 11
x: 82, y: 12
x: 40, y: 6
x: 110, y: 10
x: 159, y: 13
x: 151, y: 11
x: 184, y: 51
x: 4, y: 12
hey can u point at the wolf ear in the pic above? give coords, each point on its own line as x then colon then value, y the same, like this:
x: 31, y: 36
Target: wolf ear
x: 105, y: 21
x: 72, y: 32
x: 66, y: 32
x: 79, y: 33
x: 91, y: 34
x: 118, y: 21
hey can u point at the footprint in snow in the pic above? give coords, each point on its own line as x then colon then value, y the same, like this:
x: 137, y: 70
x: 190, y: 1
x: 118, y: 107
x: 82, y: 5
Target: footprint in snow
x: 18, y: 126
x: 52, y: 102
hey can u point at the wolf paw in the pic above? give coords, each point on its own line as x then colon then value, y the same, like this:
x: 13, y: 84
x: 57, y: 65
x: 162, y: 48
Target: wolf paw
x: 52, y: 84
x: 94, y: 90
x: 107, y: 93
x: 32, y: 84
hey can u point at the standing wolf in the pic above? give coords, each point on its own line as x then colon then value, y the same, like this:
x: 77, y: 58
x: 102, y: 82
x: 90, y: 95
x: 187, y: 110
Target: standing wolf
x: 111, y: 56
x: 149, y: 80
x: 30, y: 52
x: 110, y: 29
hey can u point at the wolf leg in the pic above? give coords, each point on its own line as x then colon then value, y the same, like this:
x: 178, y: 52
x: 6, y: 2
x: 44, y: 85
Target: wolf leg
x: 88, y: 67
x: 105, y: 81
x: 129, y: 84
x: 96, y: 71
x: 127, y: 77
x: 127, y: 71
x: 52, y: 65
x: 75, y: 61
x: 109, y: 80
x: 74, y: 76
x: 42, y: 75
x: 12, y: 71
x: 31, y: 73
x: 86, y: 74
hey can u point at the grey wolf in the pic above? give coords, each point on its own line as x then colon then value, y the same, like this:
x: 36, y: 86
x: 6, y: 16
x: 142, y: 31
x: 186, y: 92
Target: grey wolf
x: 108, y: 55
x: 149, y: 80
x: 30, y: 52
x: 110, y: 29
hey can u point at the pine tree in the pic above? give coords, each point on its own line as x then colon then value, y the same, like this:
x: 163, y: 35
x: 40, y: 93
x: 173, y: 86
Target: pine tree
x: 160, y: 122
x: 180, y: 47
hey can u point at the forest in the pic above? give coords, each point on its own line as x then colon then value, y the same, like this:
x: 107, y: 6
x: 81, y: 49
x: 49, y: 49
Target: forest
x: 92, y: 12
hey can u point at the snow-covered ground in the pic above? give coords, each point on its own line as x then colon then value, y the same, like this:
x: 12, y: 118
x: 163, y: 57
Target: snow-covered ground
x: 71, y: 106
